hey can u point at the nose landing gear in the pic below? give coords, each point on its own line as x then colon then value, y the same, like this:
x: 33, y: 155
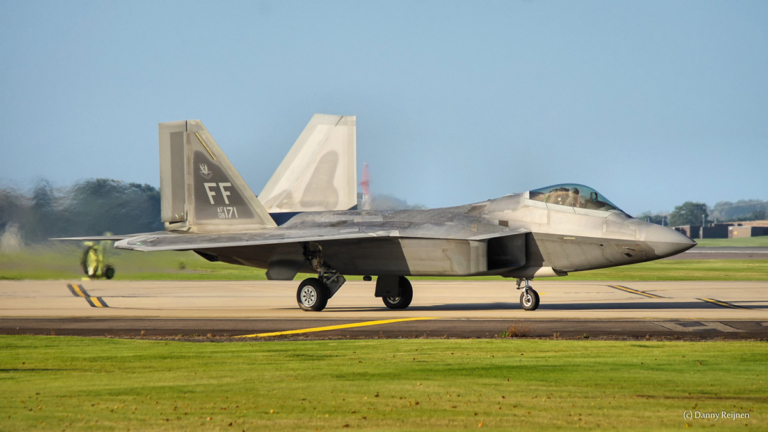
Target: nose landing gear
x: 529, y: 298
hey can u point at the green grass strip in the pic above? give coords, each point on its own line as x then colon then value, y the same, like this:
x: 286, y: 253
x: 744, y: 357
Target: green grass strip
x: 65, y: 383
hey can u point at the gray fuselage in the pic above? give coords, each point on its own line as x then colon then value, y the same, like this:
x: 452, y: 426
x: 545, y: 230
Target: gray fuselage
x: 544, y: 239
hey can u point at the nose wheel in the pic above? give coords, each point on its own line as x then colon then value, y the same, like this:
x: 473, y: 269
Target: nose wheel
x: 529, y: 298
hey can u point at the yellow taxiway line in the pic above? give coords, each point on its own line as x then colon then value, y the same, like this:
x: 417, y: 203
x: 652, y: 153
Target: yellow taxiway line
x: 77, y: 290
x: 335, y: 327
x: 96, y: 302
x: 633, y: 291
x: 722, y: 303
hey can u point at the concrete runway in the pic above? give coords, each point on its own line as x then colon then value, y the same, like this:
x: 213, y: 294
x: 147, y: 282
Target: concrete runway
x: 704, y: 253
x: 439, y: 309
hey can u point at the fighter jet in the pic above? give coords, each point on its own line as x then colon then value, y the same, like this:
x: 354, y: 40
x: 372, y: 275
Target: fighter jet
x: 305, y: 220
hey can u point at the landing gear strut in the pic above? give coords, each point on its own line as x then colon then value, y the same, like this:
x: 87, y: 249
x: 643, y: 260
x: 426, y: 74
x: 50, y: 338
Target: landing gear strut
x: 529, y: 298
x: 313, y: 293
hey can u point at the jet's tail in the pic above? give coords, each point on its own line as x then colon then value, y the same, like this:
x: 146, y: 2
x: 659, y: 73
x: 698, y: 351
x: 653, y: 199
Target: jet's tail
x: 319, y: 173
x: 200, y: 190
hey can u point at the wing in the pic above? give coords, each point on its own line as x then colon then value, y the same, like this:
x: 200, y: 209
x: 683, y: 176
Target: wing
x: 163, y: 241
x: 97, y: 238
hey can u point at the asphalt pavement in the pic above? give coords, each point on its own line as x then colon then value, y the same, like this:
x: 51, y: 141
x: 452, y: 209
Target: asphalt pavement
x: 266, y: 310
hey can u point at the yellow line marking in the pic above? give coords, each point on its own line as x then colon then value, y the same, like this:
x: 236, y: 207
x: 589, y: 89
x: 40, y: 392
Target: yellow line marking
x: 206, y: 147
x: 78, y: 290
x: 722, y: 303
x: 96, y: 302
x: 633, y: 291
x: 336, y: 327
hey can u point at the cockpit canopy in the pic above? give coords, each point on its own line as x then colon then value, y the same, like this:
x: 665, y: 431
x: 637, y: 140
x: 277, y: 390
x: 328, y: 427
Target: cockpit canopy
x: 573, y: 195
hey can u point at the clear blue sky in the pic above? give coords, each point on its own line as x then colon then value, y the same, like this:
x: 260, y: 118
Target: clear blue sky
x: 651, y: 103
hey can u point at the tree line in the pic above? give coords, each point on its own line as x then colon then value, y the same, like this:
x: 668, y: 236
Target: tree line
x: 694, y: 213
x: 89, y: 207
x: 96, y: 206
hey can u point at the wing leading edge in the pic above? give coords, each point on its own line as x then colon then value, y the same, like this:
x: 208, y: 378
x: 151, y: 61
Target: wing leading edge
x: 97, y: 238
x: 180, y: 242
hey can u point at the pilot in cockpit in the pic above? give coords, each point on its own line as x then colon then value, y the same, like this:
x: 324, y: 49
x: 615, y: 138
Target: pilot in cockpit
x: 574, y: 199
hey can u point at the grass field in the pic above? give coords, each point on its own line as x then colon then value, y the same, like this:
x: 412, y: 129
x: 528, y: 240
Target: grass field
x: 62, y: 262
x: 761, y: 241
x: 64, y: 383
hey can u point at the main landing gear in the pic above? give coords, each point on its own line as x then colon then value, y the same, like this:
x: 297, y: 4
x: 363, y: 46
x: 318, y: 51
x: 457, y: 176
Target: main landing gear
x: 400, y: 299
x: 529, y: 298
x: 313, y: 293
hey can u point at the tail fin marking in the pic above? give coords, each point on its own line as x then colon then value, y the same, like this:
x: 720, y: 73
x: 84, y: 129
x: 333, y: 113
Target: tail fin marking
x: 216, y: 198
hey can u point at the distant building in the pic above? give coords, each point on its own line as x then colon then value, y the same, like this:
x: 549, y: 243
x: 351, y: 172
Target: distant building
x: 725, y: 230
x: 761, y: 223
x: 747, y: 231
x: 715, y: 231
x: 692, y: 231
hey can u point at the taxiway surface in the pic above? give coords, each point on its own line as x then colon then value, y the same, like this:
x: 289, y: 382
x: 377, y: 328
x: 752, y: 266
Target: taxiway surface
x: 439, y: 308
x: 706, y: 253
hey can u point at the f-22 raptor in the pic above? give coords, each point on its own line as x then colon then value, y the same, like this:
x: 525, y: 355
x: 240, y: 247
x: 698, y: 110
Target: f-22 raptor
x: 306, y: 220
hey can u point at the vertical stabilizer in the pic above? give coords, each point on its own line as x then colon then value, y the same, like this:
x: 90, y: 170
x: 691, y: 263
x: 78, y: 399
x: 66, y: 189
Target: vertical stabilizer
x: 200, y: 190
x: 320, y: 171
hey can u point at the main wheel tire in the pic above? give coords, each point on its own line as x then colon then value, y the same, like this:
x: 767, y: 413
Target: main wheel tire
x: 312, y: 295
x: 109, y: 272
x: 405, y: 298
x: 529, y: 299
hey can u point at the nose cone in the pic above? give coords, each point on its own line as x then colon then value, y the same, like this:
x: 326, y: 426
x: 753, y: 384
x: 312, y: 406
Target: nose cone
x: 666, y: 241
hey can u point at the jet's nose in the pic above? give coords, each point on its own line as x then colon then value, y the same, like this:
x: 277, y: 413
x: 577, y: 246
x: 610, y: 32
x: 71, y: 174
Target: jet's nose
x: 666, y: 241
